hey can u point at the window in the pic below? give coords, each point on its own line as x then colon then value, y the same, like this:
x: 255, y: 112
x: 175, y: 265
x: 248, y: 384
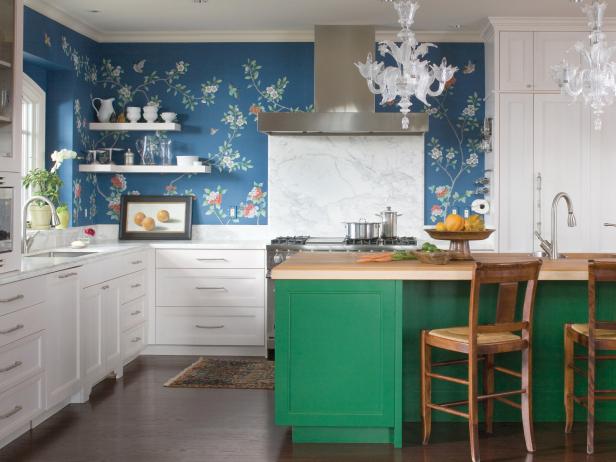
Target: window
x: 32, y: 127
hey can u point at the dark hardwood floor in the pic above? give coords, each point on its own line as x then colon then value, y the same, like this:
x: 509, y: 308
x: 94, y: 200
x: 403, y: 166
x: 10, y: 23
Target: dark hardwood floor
x: 137, y: 419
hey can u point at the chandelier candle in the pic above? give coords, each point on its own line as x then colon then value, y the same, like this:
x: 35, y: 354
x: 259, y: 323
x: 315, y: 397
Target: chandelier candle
x: 412, y: 76
x: 595, y: 81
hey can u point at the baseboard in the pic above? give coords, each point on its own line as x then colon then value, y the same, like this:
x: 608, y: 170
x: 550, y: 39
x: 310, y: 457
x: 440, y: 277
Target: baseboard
x: 184, y: 350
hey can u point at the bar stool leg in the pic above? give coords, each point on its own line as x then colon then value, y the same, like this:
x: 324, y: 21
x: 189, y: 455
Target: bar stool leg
x: 590, y: 431
x: 473, y: 406
x: 527, y: 400
x: 488, y: 389
x: 569, y: 380
x: 426, y: 387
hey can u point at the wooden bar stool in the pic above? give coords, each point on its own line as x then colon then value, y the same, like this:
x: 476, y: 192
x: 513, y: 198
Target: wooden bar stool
x: 481, y: 343
x: 596, y: 335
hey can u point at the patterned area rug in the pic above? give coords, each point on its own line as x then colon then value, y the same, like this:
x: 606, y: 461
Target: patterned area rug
x: 226, y: 373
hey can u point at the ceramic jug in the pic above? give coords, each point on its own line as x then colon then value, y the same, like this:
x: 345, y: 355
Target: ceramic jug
x: 105, y: 109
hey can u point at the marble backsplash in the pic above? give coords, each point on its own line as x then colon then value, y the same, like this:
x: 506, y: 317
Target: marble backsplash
x: 318, y: 182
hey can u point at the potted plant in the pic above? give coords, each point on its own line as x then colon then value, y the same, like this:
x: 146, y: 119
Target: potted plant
x: 48, y: 183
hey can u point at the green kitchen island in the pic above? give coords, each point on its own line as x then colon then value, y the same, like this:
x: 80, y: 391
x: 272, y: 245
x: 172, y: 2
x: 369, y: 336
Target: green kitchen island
x: 347, y: 341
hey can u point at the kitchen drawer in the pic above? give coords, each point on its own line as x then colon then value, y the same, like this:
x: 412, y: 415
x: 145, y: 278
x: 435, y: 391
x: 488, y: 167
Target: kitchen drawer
x: 132, y: 287
x: 133, y: 313
x: 209, y: 287
x: 210, y: 259
x: 22, y: 323
x: 20, y: 360
x: 113, y: 268
x: 20, y: 405
x: 210, y: 326
x: 20, y: 295
x: 133, y: 341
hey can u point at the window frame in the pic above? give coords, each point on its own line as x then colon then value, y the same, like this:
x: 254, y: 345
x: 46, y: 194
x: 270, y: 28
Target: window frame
x: 34, y: 97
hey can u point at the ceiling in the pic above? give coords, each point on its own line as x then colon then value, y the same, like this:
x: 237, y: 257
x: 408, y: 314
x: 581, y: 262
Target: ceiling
x: 127, y: 18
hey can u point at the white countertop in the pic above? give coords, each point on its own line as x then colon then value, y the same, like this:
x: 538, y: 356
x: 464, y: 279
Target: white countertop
x: 33, y: 266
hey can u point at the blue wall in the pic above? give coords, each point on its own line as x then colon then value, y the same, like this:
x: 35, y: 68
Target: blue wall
x: 218, y: 90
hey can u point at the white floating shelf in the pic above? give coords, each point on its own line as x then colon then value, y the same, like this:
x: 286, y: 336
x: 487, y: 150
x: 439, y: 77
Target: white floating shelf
x: 5, y: 119
x: 98, y: 168
x: 136, y: 127
x: 5, y: 64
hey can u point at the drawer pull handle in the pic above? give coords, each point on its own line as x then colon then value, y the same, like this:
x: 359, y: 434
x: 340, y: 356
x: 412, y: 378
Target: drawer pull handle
x: 198, y: 326
x: 12, y: 299
x: 12, y: 329
x: 136, y: 339
x: 224, y: 289
x: 65, y: 276
x: 136, y: 262
x: 11, y: 413
x: 15, y: 365
x: 134, y: 286
x: 212, y: 259
x: 135, y: 313
x: 105, y: 287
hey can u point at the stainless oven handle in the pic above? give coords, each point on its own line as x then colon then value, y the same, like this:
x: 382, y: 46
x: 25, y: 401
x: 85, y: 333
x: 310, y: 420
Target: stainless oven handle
x: 12, y: 299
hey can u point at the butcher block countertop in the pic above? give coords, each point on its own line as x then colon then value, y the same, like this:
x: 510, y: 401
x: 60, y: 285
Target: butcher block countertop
x: 344, y: 266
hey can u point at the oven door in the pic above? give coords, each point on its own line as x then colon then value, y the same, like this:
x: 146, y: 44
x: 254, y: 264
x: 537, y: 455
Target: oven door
x: 7, y: 203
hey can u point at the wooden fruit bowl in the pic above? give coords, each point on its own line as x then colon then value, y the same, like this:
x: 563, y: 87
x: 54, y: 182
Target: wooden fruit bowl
x: 459, y: 246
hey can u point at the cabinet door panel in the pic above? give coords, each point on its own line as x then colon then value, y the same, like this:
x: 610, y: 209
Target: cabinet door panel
x: 112, y: 328
x: 550, y: 49
x: 516, y: 177
x: 562, y: 156
x: 335, y: 347
x: 602, y: 205
x: 62, y: 310
x: 93, y: 361
x: 516, y: 61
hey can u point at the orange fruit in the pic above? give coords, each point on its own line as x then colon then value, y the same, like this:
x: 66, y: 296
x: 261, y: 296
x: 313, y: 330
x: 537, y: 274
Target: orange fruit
x: 441, y: 226
x: 454, y: 223
x: 148, y: 224
x: 139, y: 216
x: 162, y: 216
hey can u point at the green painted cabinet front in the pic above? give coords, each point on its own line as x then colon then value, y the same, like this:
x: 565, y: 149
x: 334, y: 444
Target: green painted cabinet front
x: 336, y: 353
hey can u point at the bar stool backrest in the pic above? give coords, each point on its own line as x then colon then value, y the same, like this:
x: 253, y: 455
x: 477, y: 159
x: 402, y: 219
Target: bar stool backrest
x: 508, y: 276
x: 598, y: 271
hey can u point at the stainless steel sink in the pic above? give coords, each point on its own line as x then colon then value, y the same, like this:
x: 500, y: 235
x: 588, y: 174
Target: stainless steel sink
x: 59, y: 254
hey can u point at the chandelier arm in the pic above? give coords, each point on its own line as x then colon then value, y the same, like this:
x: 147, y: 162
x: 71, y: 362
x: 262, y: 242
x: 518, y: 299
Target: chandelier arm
x: 438, y: 91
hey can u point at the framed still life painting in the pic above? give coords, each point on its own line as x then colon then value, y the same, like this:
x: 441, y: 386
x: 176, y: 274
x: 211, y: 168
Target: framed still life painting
x: 156, y: 218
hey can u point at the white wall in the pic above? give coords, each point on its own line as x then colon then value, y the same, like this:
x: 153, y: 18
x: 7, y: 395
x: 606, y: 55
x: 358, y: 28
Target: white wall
x: 318, y: 182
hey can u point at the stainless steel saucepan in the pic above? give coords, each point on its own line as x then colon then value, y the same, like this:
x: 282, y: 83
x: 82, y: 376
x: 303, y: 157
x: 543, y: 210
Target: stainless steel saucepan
x: 389, y: 222
x: 362, y: 229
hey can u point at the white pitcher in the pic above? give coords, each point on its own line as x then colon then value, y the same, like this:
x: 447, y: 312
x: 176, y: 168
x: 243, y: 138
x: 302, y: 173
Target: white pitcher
x: 105, y: 110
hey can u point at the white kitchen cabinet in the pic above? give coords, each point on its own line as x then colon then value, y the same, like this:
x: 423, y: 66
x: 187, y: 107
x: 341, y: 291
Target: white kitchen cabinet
x: 516, y: 61
x: 92, y: 344
x: 562, y: 156
x: 516, y: 179
x: 549, y: 49
x: 603, y: 168
x: 62, y: 315
x: 21, y: 404
x: 100, y: 328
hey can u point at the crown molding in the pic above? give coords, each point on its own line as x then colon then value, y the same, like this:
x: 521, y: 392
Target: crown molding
x: 64, y: 18
x: 527, y: 24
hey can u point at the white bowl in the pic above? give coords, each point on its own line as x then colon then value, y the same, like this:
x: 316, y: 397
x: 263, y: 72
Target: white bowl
x: 186, y: 161
x: 168, y: 117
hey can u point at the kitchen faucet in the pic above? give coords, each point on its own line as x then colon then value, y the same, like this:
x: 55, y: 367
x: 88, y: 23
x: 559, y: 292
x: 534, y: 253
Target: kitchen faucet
x: 26, y: 242
x: 551, y: 248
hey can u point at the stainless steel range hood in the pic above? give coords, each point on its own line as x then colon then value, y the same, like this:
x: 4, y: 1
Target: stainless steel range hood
x: 343, y: 103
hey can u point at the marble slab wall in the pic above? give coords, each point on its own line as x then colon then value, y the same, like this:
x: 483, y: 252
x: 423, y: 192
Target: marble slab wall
x: 318, y: 182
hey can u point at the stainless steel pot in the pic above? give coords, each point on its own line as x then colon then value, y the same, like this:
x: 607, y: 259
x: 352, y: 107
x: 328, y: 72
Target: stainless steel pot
x: 389, y: 223
x: 362, y: 230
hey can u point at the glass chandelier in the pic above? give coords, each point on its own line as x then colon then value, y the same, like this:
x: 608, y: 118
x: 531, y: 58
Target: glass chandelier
x: 412, y: 75
x: 595, y: 79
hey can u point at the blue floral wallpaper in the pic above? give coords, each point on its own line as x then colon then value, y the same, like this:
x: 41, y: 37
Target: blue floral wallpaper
x: 218, y: 90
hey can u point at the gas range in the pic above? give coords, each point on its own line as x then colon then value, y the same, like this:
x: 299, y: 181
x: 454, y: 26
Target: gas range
x: 341, y: 244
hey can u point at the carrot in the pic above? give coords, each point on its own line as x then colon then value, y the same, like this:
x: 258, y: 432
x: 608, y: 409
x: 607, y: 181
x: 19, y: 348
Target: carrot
x: 376, y: 258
